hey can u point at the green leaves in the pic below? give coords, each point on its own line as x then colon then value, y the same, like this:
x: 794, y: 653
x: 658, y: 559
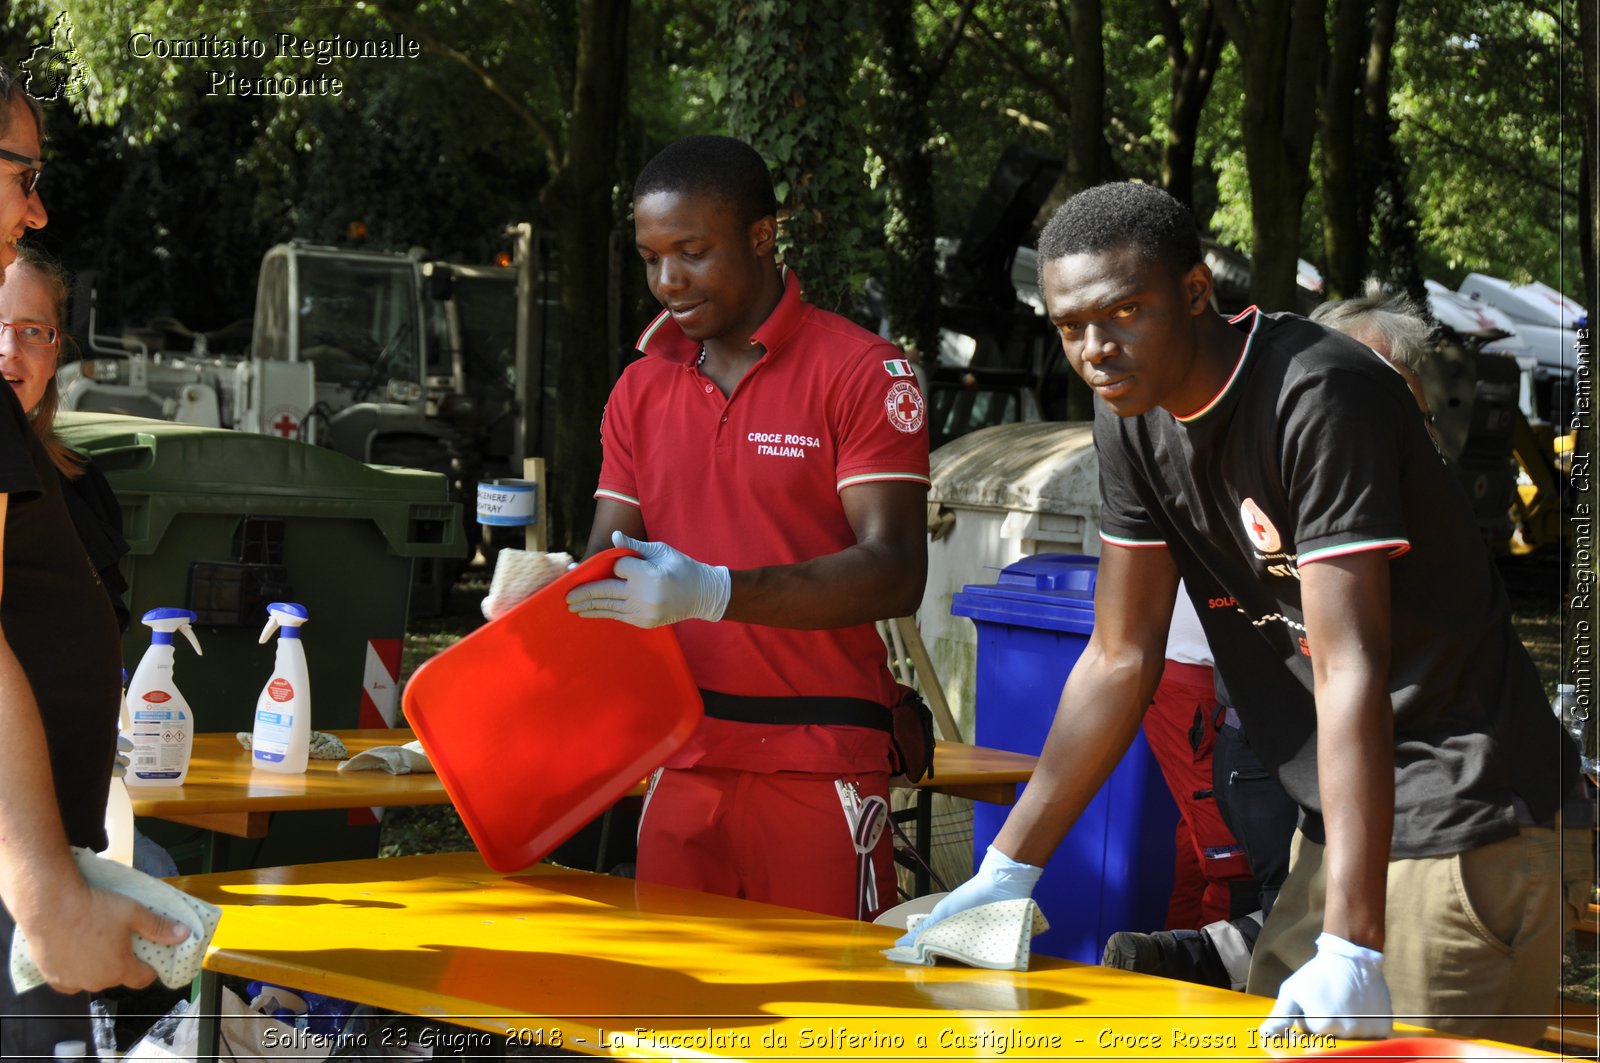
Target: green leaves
x: 789, y: 77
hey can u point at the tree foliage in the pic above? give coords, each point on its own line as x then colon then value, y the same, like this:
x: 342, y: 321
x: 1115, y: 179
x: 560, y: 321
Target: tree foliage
x: 1479, y: 118
x: 1406, y: 139
x: 785, y: 85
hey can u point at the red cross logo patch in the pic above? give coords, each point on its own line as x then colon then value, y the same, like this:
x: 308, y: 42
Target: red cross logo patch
x: 1260, y: 530
x: 904, y: 405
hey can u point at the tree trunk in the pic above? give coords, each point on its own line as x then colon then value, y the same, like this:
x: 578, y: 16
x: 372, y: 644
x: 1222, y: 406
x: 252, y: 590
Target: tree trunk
x: 788, y: 80
x: 1192, y: 72
x: 1392, y: 220
x: 579, y: 198
x: 1280, y: 45
x: 911, y: 271
x: 1086, y: 127
x: 1345, y: 194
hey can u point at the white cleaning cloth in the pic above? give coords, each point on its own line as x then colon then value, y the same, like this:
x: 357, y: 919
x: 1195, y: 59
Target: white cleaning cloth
x: 176, y: 965
x: 323, y: 746
x: 517, y: 575
x: 997, y: 935
x: 396, y: 760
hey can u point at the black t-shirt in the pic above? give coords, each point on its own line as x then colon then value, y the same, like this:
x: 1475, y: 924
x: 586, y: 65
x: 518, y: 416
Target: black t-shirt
x: 97, y: 516
x: 1315, y: 448
x: 59, y: 622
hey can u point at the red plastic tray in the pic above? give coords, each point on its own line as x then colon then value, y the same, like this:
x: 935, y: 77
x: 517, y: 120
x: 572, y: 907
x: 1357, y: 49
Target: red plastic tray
x: 538, y: 721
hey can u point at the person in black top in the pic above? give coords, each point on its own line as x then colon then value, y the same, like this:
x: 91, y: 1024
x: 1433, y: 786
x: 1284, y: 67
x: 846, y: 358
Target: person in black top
x: 34, y: 300
x: 59, y: 684
x: 1360, y: 626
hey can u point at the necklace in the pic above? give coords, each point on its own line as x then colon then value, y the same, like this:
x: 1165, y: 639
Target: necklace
x: 700, y: 361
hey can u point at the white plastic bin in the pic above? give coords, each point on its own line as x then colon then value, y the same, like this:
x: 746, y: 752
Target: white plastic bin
x: 1007, y: 492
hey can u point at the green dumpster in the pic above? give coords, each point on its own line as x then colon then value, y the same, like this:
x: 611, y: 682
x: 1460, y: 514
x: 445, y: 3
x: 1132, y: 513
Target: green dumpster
x: 222, y: 522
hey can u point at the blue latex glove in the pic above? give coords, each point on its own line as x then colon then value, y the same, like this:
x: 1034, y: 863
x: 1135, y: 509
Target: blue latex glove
x: 120, y: 766
x: 998, y: 878
x: 660, y: 586
x: 1340, y: 991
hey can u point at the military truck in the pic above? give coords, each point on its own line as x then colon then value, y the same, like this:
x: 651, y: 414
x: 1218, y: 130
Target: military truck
x: 387, y: 357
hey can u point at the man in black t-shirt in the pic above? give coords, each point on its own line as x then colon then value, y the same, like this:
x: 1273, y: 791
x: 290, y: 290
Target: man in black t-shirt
x: 59, y: 682
x: 1360, y: 626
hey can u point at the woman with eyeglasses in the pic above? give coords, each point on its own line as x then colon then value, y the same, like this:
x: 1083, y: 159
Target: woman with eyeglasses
x: 33, y: 302
x: 60, y: 677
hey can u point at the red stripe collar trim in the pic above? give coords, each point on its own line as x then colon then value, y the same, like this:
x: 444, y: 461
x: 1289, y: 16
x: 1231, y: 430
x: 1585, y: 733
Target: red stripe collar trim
x: 1244, y: 352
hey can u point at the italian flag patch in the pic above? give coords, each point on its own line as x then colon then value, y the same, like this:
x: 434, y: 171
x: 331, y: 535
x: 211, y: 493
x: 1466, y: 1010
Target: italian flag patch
x: 898, y: 367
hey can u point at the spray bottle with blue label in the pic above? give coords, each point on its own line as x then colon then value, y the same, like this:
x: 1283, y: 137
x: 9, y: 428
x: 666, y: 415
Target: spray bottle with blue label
x: 282, y: 737
x: 162, y: 724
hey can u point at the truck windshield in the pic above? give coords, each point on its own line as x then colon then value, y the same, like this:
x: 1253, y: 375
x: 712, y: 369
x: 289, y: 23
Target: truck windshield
x: 358, y: 318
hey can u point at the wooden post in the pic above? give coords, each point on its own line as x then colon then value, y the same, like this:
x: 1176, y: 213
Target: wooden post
x: 538, y: 533
x: 907, y: 626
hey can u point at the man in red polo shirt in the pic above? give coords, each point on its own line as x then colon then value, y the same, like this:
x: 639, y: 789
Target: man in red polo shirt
x: 769, y: 460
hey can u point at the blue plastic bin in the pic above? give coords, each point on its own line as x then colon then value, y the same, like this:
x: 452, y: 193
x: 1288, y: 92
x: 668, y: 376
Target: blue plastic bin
x: 1113, y: 871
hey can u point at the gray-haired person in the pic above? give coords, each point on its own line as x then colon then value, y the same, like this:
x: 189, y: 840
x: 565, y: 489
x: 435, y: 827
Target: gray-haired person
x: 1392, y: 325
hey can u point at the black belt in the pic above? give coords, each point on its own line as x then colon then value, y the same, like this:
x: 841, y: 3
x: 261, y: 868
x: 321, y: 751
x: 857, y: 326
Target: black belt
x: 849, y: 712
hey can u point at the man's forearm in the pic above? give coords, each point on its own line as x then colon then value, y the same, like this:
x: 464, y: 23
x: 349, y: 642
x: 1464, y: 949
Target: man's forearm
x: 35, y: 863
x: 1348, y: 626
x: 857, y: 585
x: 1355, y: 763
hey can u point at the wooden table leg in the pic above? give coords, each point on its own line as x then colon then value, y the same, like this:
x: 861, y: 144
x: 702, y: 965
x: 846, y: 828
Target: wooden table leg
x: 924, y: 840
x: 206, y: 995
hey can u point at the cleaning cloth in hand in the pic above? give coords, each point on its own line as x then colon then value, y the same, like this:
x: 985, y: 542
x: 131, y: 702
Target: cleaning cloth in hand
x: 517, y: 575
x: 176, y: 965
x: 396, y: 760
x: 997, y: 935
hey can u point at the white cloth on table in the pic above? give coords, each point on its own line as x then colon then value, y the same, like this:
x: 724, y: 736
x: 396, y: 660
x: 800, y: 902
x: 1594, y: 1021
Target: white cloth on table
x: 396, y: 760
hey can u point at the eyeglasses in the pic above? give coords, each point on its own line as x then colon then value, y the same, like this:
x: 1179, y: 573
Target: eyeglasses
x: 33, y: 333
x: 30, y: 176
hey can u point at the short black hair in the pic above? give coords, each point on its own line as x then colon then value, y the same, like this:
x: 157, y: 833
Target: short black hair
x: 1124, y: 214
x: 724, y: 167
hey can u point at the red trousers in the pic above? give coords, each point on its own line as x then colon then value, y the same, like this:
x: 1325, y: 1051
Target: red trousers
x: 778, y: 837
x: 1181, y: 727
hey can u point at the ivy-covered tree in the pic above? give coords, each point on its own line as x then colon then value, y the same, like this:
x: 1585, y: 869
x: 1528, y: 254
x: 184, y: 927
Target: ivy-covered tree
x: 787, y: 70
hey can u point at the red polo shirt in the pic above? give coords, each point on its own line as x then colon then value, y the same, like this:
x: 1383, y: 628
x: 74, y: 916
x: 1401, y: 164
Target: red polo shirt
x: 753, y: 479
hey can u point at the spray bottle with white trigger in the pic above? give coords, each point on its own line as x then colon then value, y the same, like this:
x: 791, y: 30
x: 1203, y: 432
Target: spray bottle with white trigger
x: 163, y: 725
x: 282, y: 737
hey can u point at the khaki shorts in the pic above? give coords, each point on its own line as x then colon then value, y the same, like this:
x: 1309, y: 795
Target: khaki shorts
x: 1474, y: 940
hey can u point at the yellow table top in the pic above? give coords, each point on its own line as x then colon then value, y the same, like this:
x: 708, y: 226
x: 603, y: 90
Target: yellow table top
x: 609, y: 966
x: 222, y: 792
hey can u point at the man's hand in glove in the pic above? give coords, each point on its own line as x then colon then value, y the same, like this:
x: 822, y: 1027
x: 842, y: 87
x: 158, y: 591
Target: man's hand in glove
x: 660, y: 586
x: 1340, y: 991
x: 998, y: 878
